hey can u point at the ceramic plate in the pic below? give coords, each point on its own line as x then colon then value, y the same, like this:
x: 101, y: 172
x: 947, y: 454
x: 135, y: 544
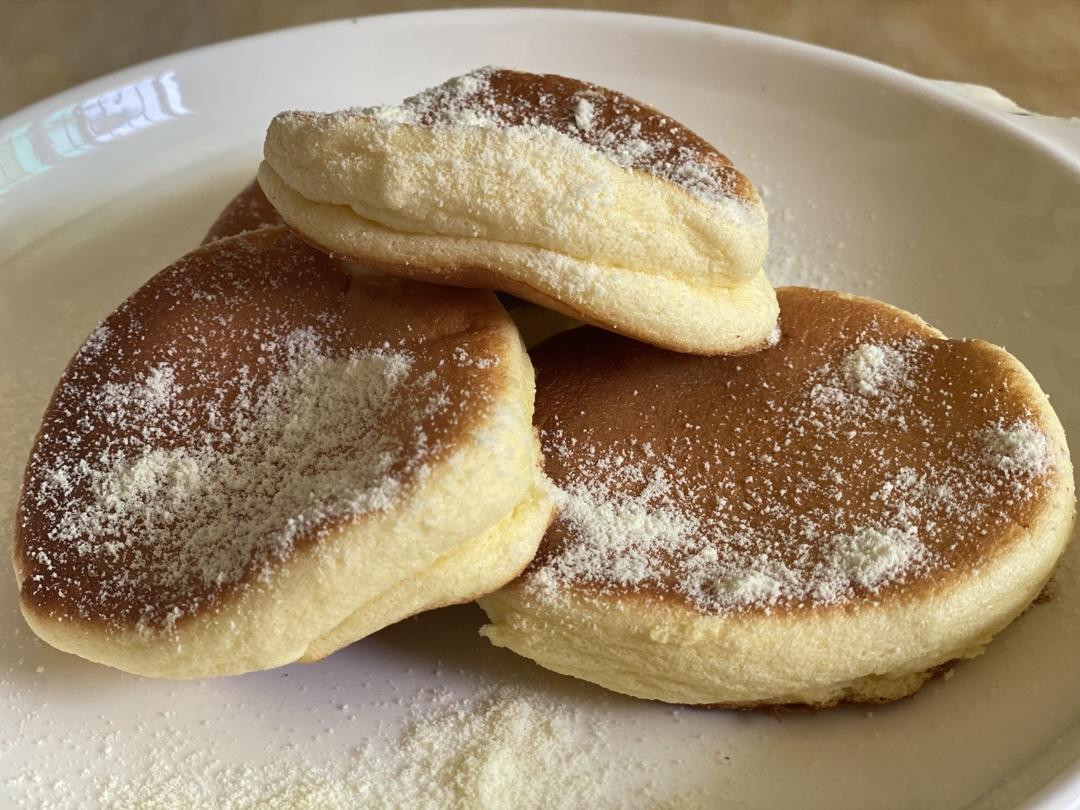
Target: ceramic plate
x: 877, y: 182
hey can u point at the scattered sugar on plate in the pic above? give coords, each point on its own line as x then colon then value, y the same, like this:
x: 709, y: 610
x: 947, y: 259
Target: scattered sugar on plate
x: 504, y: 747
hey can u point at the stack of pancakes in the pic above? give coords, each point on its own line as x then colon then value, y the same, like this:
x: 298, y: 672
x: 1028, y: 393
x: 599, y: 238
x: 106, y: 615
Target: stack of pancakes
x: 322, y: 421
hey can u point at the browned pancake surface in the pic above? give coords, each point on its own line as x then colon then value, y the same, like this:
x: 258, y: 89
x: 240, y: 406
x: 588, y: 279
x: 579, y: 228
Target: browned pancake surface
x: 862, y: 458
x: 633, y: 134
x: 235, y: 410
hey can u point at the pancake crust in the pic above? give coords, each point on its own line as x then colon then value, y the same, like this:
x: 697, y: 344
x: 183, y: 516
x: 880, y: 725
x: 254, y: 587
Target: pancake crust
x: 564, y: 193
x: 255, y: 445
x: 825, y: 520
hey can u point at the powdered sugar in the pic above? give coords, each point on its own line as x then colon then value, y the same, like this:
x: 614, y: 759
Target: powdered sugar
x: 461, y: 101
x: 1020, y: 448
x: 156, y: 479
x: 504, y: 750
x: 583, y: 114
x: 664, y: 535
x: 504, y: 747
x: 871, y: 557
x: 867, y: 558
x: 865, y: 381
x: 95, y: 342
x: 872, y: 369
x: 622, y: 532
x: 629, y: 134
x: 747, y: 586
x: 762, y: 515
x: 158, y: 485
x: 229, y: 503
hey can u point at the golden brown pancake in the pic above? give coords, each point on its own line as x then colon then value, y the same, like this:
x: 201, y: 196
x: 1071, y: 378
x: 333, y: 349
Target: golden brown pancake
x: 828, y: 519
x: 261, y: 457
x: 564, y: 193
x: 610, y: 120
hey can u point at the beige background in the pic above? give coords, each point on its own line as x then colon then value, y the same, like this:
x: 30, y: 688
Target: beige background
x: 1027, y: 49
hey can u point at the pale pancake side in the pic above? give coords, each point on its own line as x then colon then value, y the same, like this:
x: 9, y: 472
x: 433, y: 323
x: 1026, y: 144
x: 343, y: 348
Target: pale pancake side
x: 665, y: 310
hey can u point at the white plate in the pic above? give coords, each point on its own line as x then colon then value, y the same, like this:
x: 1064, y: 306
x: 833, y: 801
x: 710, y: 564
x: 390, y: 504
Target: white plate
x: 878, y: 183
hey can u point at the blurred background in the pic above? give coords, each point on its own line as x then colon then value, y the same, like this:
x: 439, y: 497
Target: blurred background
x: 1029, y: 50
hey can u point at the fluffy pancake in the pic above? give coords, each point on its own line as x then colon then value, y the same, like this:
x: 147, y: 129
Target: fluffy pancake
x: 563, y: 193
x: 250, y: 210
x: 829, y: 519
x: 260, y: 457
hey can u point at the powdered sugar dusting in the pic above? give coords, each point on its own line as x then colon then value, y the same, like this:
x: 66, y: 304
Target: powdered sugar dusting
x: 872, y: 369
x: 159, y: 484
x: 504, y: 747
x: 869, y: 378
x: 869, y: 557
x: 623, y: 532
x: 781, y: 514
x: 583, y: 114
x: 628, y: 133
x: 1019, y: 449
x: 230, y: 503
x: 507, y: 749
x: 668, y: 533
x: 95, y: 342
x: 749, y: 585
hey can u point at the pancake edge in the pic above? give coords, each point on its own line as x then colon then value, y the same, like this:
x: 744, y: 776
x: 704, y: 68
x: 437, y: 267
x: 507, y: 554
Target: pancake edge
x: 670, y: 313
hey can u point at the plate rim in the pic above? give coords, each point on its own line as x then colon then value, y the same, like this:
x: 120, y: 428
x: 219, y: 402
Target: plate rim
x: 919, y: 86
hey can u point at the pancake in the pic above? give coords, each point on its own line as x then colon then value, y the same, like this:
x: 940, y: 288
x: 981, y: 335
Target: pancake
x: 567, y: 194
x: 827, y: 520
x: 250, y: 210
x: 259, y: 458
x: 247, y: 211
